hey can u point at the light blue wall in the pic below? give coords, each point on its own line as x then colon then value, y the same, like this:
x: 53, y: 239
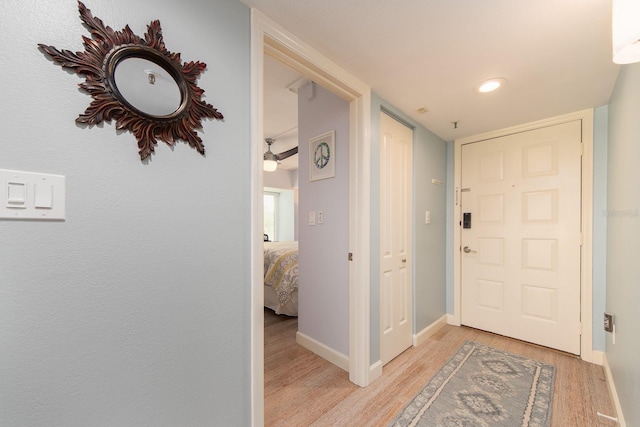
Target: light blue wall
x: 323, y: 291
x: 623, y: 229
x: 429, y: 162
x: 599, y: 271
x: 136, y: 309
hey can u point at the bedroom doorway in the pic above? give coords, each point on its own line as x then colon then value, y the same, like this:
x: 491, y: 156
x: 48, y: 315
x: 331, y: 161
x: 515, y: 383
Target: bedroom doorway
x: 269, y: 38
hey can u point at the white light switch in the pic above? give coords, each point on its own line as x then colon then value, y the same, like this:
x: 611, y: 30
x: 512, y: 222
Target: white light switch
x: 29, y: 195
x: 312, y: 217
x: 43, y: 196
x: 427, y: 217
x: 16, y: 194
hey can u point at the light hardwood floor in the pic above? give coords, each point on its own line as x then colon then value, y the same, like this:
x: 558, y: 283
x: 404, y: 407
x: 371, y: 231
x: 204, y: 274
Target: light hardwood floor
x: 302, y: 389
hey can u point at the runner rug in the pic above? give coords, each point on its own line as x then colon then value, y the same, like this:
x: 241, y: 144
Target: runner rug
x: 481, y: 386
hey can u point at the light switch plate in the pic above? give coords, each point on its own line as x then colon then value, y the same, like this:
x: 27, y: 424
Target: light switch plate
x: 312, y: 217
x: 29, y: 195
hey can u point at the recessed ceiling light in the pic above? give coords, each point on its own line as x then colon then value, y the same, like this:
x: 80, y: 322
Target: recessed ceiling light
x: 421, y: 109
x: 491, y: 85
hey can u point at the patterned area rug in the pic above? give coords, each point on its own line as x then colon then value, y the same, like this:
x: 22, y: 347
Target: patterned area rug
x: 481, y: 386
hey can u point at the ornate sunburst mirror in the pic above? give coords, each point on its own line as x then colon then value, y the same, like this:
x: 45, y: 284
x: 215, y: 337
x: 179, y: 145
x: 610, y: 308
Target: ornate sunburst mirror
x: 138, y: 83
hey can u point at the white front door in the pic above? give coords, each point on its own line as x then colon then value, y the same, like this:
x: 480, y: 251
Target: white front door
x: 396, y: 297
x: 521, y: 235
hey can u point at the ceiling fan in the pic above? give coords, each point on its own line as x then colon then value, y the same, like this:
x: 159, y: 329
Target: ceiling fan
x: 271, y: 159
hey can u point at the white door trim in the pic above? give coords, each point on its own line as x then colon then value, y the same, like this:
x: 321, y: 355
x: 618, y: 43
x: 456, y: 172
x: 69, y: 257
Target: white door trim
x: 586, y: 310
x: 267, y: 37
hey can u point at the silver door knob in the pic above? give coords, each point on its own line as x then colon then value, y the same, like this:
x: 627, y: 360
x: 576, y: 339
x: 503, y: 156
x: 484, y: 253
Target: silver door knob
x: 468, y: 251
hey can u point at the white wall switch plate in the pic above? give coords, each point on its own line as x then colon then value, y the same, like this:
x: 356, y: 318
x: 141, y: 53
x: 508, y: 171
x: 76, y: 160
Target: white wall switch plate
x: 29, y: 195
x: 312, y: 217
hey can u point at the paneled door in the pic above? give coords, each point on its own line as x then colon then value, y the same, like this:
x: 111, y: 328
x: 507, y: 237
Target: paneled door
x: 396, y: 293
x: 521, y: 235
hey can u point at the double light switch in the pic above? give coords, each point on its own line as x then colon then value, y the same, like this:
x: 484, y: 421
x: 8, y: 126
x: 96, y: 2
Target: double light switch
x: 312, y: 218
x: 28, y: 195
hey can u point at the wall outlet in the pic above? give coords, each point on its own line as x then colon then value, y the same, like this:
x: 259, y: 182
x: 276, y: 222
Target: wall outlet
x: 608, y: 322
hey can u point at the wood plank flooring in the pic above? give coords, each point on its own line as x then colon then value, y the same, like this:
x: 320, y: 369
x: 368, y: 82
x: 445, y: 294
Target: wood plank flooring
x: 302, y: 389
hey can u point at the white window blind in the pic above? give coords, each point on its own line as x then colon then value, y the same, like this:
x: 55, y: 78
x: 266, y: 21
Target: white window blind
x: 271, y: 215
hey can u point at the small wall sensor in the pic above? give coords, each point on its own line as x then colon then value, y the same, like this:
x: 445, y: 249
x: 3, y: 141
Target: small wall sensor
x: 608, y: 322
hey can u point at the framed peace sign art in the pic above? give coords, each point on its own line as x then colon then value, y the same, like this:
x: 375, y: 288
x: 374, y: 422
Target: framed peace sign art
x: 322, y: 156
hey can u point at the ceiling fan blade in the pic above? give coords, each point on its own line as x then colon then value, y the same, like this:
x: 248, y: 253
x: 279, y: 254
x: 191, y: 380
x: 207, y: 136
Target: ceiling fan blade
x: 288, y: 153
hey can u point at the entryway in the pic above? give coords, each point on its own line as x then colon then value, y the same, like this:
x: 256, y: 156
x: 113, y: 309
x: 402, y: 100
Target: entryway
x: 522, y: 206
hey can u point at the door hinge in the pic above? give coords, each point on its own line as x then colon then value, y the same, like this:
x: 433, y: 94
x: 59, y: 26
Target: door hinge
x: 350, y: 256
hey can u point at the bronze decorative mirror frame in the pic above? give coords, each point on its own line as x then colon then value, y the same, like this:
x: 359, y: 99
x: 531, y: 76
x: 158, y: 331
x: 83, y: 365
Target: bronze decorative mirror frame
x: 103, y: 52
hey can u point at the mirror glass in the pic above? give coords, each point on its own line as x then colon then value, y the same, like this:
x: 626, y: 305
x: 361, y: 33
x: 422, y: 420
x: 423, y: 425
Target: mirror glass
x: 147, y: 86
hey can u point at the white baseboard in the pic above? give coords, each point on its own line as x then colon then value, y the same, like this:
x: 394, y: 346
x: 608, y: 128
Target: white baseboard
x: 375, y: 371
x: 324, y: 351
x: 597, y: 357
x: 612, y: 390
x: 427, y: 332
x: 451, y: 320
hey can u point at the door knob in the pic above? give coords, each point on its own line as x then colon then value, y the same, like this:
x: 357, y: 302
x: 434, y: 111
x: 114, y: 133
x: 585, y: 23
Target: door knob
x: 404, y: 260
x: 468, y: 251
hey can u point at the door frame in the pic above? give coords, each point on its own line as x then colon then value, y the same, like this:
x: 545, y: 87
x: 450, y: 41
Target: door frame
x: 268, y: 38
x: 586, y: 253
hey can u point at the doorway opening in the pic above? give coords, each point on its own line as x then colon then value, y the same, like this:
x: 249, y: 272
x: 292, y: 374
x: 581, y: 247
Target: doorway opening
x: 270, y: 39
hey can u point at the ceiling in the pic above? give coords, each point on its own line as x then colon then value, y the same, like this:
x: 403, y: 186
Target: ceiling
x: 555, y: 55
x: 281, y: 109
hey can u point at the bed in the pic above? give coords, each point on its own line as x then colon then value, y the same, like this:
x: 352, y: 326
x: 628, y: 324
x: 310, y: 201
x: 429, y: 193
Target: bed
x: 281, y: 277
